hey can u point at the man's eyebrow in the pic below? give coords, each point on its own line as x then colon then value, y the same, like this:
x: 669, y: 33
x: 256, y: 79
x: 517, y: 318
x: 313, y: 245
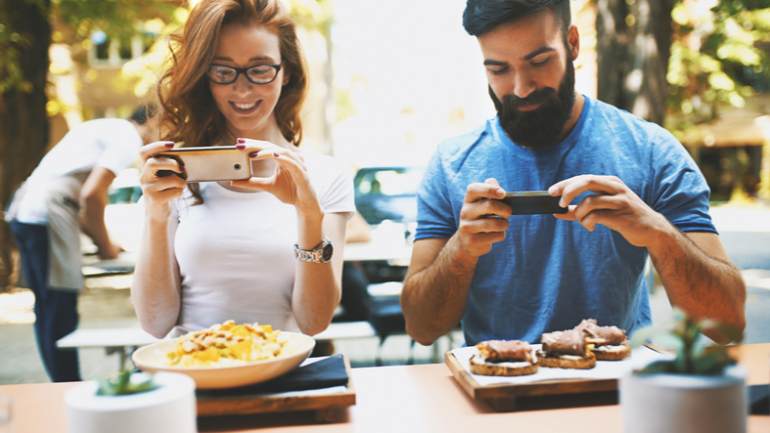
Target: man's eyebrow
x: 541, y: 50
x: 529, y: 56
x: 493, y: 62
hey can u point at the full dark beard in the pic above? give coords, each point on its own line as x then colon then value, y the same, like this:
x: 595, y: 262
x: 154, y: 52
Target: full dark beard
x: 543, y: 127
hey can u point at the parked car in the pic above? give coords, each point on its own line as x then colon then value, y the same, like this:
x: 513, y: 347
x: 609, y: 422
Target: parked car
x: 387, y: 193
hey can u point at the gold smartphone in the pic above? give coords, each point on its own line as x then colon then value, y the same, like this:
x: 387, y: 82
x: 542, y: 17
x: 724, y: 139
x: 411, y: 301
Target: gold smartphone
x: 209, y: 164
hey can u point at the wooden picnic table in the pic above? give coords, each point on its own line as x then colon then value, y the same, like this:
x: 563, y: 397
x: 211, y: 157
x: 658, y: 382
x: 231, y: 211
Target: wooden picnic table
x: 417, y: 398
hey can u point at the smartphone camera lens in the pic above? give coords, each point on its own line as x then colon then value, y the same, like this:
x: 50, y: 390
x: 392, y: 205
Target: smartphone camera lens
x: 237, y: 166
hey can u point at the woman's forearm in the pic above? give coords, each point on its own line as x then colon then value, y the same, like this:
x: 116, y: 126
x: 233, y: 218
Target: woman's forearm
x: 155, y: 292
x: 317, y: 286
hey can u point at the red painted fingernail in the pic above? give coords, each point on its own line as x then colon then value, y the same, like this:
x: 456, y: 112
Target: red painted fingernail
x: 240, y: 146
x: 240, y: 140
x: 253, y: 154
x: 168, y: 144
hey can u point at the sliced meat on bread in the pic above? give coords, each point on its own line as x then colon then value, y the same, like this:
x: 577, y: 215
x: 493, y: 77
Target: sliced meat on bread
x: 610, y: 342
x: 566, y: 361
x: 617, y: 352
x: 565, y: 349
x: 503, y: 358
x: 503, y: 368
x: 505, y: 350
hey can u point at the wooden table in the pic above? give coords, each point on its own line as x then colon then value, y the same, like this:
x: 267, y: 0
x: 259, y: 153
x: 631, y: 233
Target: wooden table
x: 421, y: 398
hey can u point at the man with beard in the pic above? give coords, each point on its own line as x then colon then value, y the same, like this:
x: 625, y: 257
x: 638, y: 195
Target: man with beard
x: 631, y: 190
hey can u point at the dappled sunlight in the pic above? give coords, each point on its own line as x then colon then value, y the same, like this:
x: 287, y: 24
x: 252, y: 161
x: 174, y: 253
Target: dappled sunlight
x: 16, y: 307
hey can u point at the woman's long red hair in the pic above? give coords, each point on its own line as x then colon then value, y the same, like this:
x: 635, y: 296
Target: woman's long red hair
x: 189, y: 113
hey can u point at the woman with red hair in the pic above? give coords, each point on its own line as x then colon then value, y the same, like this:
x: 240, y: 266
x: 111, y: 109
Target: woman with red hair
x: 267, y: 249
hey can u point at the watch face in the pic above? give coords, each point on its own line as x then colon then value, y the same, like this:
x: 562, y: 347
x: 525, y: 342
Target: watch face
x: 327, y: 251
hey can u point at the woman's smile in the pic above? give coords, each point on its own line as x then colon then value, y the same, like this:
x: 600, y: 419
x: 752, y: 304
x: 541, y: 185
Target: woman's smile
x: 245, y: 108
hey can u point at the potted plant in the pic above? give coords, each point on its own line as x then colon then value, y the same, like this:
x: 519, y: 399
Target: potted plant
x: 699, y: 389
x: 133, y: 402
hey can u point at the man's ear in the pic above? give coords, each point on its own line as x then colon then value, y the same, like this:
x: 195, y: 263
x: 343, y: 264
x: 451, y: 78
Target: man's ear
x: 573, y: 42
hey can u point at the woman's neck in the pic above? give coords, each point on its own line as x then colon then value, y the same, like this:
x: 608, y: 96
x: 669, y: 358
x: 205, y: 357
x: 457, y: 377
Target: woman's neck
x: 269, y: 132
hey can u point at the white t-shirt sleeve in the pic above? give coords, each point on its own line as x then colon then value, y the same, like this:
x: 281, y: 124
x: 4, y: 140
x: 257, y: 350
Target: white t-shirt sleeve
x: 334, y: 185
x: 121, y: 145
x: 339, y: 196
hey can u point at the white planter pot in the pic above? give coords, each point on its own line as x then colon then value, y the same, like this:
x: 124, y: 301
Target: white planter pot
x: 661, y: 403
x: 169, y: 408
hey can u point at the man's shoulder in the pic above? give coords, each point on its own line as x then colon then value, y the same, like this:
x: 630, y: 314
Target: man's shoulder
x: 453, y: 147
x: 620, y: 116
x: 621, y: 124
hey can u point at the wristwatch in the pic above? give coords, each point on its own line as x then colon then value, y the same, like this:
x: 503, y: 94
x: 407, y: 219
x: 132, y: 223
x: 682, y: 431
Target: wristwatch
x: 321, y: 253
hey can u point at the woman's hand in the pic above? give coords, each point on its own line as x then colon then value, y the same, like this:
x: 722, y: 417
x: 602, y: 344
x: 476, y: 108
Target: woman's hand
x: 160, y: 179
x: 289, y: 182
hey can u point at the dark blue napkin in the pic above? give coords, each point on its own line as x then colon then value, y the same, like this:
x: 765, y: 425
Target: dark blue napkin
x: 320, y: 374
x: 759, y: 400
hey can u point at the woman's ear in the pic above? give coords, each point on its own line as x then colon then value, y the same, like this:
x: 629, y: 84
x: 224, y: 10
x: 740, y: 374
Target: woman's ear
x: 286, y: 78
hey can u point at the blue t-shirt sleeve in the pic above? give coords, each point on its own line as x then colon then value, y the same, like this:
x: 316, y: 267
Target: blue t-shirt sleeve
x: 435, y: 218
x: 680, y: 191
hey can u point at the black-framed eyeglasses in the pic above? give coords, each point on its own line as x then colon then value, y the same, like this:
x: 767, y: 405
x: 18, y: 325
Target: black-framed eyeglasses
x: 259, y: 74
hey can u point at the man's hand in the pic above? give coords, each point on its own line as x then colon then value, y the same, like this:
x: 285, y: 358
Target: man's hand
x: 483, y: 219
x: 613, y: 205
x: 112, y: 251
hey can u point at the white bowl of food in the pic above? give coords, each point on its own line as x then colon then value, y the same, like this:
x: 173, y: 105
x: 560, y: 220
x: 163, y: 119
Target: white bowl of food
x: 227, y: 355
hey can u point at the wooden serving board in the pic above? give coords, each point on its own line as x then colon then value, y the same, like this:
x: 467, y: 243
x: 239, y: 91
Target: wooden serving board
x: 546, y: 382
x: 327, y: 401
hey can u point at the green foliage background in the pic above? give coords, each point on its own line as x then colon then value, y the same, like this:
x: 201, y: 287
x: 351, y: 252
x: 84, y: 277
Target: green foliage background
x: 717, y: 58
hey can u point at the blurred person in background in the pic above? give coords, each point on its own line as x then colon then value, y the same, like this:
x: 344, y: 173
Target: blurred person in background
x: 354, y: 280
x: 267, y: 249
x: 632, y: 191
x: 67, y: 193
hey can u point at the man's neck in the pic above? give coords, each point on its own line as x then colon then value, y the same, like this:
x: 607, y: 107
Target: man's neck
x: 574, y: 116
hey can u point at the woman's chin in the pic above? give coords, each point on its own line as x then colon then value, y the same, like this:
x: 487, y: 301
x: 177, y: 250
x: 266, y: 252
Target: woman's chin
x: 245, y: 127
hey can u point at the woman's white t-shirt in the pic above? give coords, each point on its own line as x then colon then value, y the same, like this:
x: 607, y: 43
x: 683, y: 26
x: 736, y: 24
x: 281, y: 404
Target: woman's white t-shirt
x: 236, y: 250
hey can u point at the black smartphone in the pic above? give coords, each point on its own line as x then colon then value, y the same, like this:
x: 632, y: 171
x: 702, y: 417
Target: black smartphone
x: 533, y: 203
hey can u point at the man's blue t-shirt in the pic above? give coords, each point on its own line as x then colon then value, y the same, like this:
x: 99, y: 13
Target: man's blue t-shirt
x: 548, y: 274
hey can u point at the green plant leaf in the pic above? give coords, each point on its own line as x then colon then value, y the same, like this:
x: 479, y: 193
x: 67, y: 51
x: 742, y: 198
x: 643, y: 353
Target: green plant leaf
x: 123, y: 385
x: 713, y: 361
x: 658, y: 367
x: 695, y: 353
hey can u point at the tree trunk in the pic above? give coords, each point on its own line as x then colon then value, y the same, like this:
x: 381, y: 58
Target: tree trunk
x: 23, y: 118
x: 764, y: 172
x: 633, y: 49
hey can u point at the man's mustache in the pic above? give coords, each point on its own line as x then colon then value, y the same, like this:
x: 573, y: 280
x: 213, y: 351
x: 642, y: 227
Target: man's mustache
x: 535, y: 98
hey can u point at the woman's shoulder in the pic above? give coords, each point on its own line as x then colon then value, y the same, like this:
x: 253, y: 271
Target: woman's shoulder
x: 323, y: 166
x: 332, y: 180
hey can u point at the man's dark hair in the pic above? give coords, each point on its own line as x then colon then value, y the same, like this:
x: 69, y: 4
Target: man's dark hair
x: 481, y: 16
x: 143, y: 113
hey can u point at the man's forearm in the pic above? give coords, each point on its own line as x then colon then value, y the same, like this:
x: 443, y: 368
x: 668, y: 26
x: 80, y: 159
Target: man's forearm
x: 92, y: 223
x: 701, y: 285
x: 434, y: 298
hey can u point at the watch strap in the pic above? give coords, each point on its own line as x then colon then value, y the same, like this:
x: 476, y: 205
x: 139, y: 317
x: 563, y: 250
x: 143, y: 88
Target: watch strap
x: 315, y: 254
